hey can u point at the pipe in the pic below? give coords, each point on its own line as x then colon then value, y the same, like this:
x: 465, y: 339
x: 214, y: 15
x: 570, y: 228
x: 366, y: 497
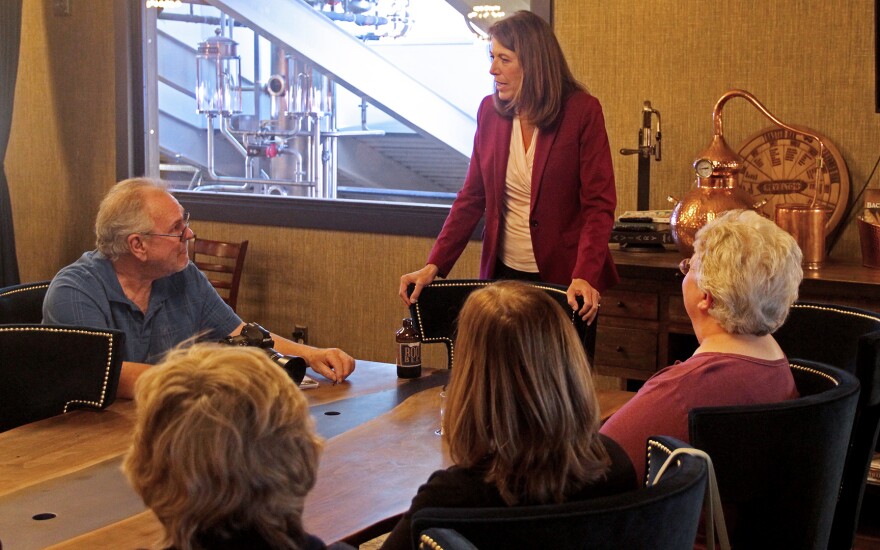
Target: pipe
x: 192, y: 18
x: 244, y: 182
x: 257, y: 88
x: 298, y: 161
x: 315, y: 146
x: 397, y: 192
x: 328, y: 105
x: 717, y: 126
x: 362, y: 20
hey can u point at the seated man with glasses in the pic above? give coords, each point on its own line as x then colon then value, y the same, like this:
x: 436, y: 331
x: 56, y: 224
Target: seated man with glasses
x: 737, y: 290
x: 140, y: 281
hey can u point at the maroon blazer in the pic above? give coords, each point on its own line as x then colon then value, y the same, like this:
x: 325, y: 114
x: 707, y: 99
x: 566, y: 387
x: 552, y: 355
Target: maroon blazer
x: 573, y: 196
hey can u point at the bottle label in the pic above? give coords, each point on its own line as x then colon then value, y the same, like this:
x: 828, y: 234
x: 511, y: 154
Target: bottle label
x: 409, y: 354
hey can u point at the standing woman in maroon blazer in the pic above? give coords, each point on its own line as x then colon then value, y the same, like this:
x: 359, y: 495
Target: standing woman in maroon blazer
x: 540, y: 172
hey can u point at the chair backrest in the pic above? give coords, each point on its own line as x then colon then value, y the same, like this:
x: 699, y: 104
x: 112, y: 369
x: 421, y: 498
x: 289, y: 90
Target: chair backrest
x: 664, y: 515
x: 22, y: 303
x: 848, y: 338
x: 47, y: 370
x: 435, y: 314
x: 825, y: 333
x: 222, y: 263
x: 779, y: 465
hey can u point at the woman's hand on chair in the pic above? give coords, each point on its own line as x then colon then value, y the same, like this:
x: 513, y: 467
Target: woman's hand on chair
x: 420, y: 278
x: 590, y: 295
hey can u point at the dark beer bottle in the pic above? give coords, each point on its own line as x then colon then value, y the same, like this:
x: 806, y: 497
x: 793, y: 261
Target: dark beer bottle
x: 409, y: 351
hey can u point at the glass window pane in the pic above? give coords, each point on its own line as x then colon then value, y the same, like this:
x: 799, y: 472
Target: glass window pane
x: 353, y: 99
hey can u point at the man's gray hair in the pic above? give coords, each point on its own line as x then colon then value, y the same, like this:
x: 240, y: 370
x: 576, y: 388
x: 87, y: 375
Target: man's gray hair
x: 123, y: 212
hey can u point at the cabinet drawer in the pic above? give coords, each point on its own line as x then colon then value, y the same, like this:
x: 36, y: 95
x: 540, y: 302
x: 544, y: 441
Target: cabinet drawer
x: 677, y: 312
x: 626, y: 348
x: 629, y: 304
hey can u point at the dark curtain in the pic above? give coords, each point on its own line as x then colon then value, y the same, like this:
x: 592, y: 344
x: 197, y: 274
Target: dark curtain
x: 10, y: 34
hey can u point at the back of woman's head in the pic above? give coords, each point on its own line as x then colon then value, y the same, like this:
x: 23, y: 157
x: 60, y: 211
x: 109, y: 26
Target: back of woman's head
x: 752, y: 269
x: 547, y: 78
x: 521, y: 401
x: 223, y: 444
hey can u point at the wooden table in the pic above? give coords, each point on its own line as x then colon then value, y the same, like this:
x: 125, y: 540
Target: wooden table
x: 385, y: 448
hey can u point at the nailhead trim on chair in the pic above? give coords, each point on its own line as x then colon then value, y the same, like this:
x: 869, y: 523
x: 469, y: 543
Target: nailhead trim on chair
x: 833, y: 380
x: 835, y: 310
x: 449, y: 342
x: 25, y: 289
x: 651, y: 445
x: 427, y: 542
x: 106, y: 381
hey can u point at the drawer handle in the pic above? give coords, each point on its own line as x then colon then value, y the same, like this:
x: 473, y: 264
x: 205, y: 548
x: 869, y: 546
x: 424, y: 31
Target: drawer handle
x: 620, y: 303
x: 619, y: 349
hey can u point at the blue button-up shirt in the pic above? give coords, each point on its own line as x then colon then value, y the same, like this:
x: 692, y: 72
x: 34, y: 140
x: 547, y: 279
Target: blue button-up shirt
x: 183, y: 305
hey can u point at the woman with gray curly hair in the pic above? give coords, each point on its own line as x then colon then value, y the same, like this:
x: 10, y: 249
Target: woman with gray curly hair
x: 737, y: 290
x: 224, y: 450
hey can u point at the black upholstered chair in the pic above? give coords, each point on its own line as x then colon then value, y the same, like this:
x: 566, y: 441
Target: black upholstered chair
x: 22, y: 303
x: 825, y: 333
x: 848, y: 338
x: 779, y: 465
x: 664, y: 515
x: 49, y: 370
x: 435, y: 314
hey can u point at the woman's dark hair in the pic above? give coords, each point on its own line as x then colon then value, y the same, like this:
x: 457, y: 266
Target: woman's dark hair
x: 547, y: 79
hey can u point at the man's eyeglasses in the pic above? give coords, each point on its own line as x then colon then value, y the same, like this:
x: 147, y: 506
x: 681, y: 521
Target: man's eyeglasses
x: 684, y: 266
x: 182, y: 235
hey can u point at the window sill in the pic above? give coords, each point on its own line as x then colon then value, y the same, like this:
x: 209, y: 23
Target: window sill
x: 387, y: 218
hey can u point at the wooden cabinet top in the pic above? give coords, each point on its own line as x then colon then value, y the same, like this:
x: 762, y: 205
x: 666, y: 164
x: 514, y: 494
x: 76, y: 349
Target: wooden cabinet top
x: 847, y: 280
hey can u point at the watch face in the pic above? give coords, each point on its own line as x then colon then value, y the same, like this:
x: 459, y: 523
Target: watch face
x: 703, y: 167
x: 779, y: 166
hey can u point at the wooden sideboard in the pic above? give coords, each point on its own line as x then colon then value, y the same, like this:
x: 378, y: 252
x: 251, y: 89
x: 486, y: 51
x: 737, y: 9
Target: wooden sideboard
x: 644, y: 327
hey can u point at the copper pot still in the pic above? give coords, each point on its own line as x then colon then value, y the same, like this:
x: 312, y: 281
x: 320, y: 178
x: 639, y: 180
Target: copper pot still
x: 700, y: 206
x: 718, y: 170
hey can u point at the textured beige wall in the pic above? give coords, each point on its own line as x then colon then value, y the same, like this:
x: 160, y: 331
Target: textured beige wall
x: 810, y: 63
x: 62, y: 150
x: 343, y: 286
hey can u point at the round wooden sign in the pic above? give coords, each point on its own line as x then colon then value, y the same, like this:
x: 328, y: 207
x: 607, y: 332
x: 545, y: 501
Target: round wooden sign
x: 779, y: 166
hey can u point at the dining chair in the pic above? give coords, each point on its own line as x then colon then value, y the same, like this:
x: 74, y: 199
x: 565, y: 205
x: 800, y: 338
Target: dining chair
x: 848, y: 338
x: 663, y: 515
x: 47, y: 370
x: 22, y: 303
x: 779, y: 465
x: 435, y: 314
x: 222, y: 263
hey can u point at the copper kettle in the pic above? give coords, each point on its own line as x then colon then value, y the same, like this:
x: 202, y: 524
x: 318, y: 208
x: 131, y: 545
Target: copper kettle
x: 718, y: 170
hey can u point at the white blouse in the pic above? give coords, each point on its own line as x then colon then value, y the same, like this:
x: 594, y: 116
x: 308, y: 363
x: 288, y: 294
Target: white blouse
x: 515, y: 249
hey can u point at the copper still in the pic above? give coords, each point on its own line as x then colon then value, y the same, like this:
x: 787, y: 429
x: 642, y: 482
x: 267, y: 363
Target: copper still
x: 718, y: 170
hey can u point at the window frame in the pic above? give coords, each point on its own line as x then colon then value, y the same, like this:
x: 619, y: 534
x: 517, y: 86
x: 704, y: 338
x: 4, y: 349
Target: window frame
x: 390, y: 218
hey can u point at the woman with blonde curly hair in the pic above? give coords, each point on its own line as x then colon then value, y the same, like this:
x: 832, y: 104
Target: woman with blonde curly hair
x: 522, y: 417
x: 224, y: 450
x: 737, y: 290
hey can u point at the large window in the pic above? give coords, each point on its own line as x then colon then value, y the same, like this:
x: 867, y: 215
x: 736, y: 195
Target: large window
x: 351, y: 100
x: 349, y: 112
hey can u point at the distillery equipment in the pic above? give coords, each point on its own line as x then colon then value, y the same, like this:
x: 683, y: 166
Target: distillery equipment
x: 718, y: 170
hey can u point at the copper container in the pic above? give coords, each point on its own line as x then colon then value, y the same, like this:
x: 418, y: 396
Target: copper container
x: 869, y: 238
x: 807, y: 225
x: 703, y: 204
x: 719, y: 168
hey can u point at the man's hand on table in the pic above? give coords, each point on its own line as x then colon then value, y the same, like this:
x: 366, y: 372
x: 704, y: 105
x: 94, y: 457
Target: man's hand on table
x: 331, y: 363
